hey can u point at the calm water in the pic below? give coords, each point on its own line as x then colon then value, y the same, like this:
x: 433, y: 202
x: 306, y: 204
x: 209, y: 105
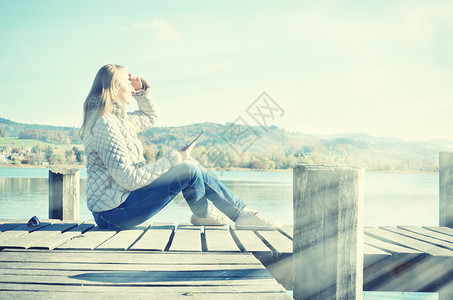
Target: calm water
x: 390, y: 199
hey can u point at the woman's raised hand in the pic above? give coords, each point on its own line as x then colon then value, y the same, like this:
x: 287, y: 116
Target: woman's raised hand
x: 135, y: 82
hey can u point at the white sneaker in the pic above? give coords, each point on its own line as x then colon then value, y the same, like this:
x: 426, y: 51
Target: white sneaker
x: 215, y: 218
x: 253, y: 220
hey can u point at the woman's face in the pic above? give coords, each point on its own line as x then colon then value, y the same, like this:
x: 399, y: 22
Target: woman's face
x: 124, y: 88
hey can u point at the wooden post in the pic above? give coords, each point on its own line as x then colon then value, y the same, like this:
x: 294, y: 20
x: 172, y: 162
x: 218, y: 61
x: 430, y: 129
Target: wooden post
x: 445, y: 199
x: 328, y: 232
x: 446, y: 189
x: 64, y: 194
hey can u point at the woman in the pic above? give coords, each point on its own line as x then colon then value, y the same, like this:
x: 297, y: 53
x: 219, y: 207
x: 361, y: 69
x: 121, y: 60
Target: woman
x: 122, y: 190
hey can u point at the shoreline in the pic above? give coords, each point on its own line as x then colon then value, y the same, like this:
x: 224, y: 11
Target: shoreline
x: 41, y: 167
x: 233, y: 169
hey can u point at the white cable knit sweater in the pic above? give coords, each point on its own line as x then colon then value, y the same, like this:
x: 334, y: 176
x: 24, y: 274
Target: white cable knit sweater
x: 115, y: 162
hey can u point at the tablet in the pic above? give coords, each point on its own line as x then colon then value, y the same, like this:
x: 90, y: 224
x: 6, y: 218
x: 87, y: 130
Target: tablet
x: 193, y: 141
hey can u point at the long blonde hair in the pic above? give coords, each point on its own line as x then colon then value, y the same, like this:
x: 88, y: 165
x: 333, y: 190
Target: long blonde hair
x: 100, y: 99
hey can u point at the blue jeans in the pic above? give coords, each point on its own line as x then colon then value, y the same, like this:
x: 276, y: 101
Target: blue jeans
x: 196, y: 185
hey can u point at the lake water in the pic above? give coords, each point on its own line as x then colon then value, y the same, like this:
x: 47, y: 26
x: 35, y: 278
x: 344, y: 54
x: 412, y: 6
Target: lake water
x: 390, y: 199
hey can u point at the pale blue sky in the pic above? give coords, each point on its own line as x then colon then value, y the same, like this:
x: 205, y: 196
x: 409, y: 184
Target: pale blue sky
x: 381, y: 67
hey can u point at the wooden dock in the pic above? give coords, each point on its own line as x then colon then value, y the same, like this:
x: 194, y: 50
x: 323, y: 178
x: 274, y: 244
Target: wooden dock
x: 333, y: 256
x: 162, y: 261
x: 72, y: 274
x: 77, y: 257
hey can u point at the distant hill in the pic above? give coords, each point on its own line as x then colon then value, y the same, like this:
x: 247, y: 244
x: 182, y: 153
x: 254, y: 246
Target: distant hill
x: 364, y: 137
x: 240, y: 138
x: 45, y: 133
x: 270, y: 147
x: 14, y: 128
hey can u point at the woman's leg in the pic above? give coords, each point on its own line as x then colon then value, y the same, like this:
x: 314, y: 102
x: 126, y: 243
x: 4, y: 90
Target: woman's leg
x: 144, y: 203
x: 216, y: 191
x: 221, y: 196
x: 227, y: 202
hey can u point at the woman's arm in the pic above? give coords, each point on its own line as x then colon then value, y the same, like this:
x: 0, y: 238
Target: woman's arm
x: 112, y: 150
x: 144, y: 118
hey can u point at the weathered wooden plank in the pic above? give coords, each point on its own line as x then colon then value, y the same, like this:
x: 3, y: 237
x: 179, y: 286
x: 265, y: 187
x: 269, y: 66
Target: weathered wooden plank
x: 408, y: 242
x: 10, y: 224
x: 430, y: 233
x: 20, y: 230
x: 116, y: 292
x: 187, y: 238
x: 155, y: 238
x: 120, y: 266
x: 123, y: 239
x: 144, y: 278
x: 130, y: 274
x: 27, y: 240
x: 249, y: 241
x: 279, y: 243
x: 24, y: 228
x: 168, y: 294
x: 418, y: 236
x: 170, y: 273
x: 134, y: 257
x: 218, y: 238
x: 55, y: 241
x: 88, y: 240
x: 388, y: 247
x: 203, y: 270
x: 155, y: 290
x: 370, y: 250
x: 287, y: 230
x: 444, y: 230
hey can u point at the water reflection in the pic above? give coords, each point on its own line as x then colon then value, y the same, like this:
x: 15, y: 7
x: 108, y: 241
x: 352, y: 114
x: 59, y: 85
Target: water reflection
x: 22, y: 198
x: 390, y: 199
x: 8, y: 186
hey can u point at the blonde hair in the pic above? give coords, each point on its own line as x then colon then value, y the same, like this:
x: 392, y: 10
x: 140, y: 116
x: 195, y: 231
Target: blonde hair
x: 100, y: 99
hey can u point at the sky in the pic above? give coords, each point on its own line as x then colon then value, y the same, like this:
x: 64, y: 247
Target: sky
x: 380, y: 67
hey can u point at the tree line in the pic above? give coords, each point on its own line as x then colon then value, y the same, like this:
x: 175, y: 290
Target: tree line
x: 48, y: 136
x: 240, y: 146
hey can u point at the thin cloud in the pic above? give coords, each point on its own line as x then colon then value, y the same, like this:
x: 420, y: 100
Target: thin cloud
x: 161, y: 29
x: 165, y: 31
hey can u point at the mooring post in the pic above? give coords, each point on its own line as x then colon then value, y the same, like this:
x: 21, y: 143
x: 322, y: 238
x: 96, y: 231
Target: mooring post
x: 328, y: 232
x: 64, y: 194
x: 445, y: 198
x: 446, y: 189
